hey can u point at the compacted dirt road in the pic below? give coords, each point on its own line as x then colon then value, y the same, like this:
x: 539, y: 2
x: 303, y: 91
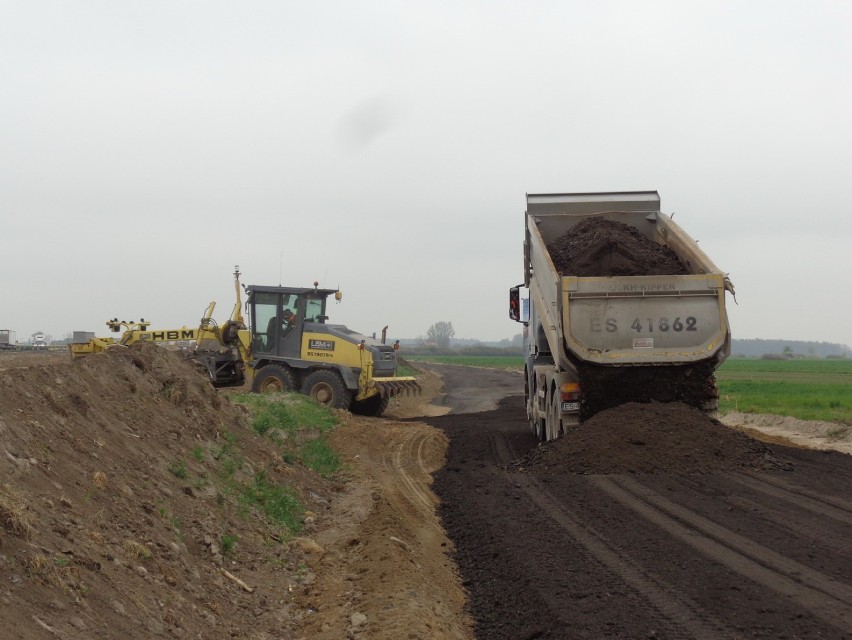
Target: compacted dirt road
x: 757, y: 550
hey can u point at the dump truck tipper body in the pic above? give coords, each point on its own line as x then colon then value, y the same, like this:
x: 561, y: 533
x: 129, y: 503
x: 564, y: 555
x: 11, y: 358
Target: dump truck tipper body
x: 592, y: 341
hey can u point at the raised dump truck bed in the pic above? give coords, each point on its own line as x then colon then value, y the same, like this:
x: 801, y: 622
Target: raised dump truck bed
x: 581, y: 328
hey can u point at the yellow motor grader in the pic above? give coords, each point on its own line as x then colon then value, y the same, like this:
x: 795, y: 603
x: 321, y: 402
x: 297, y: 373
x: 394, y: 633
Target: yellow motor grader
x: 286, y: 345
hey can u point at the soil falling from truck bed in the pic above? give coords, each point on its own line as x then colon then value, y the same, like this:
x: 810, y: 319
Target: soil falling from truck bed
x: 606, y: 387
x: 600, y: 248
x: 597, y: 247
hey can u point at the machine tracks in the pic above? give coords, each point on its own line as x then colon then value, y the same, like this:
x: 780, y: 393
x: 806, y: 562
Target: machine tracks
x: 688, y: 618
x: 761, y: 555
x: 410, y: 463
x: 820, y: 504
x: 820, y: 594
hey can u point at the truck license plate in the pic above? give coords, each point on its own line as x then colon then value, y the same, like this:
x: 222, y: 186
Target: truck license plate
x: 570, y: 406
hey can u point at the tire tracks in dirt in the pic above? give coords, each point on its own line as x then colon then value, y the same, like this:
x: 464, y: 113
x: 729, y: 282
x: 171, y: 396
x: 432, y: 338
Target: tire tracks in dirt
x: 822, y: 595
x: 829, y: 506
x: 688, y: 617
x: 414, y: 482
x: 717, y: 555
x: 821, y: 527
x: 382, y: 550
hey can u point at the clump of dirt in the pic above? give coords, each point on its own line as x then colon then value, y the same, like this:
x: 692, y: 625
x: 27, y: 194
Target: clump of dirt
x: 653, y: 438
x: 606, y: 387
x: 597, y: 247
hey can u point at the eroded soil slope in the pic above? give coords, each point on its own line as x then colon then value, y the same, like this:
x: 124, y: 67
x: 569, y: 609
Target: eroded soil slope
x: 120, y: 505
x: 131, y: 507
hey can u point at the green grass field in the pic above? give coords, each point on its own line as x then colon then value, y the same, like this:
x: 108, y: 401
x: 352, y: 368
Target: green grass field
x: 804, y: 389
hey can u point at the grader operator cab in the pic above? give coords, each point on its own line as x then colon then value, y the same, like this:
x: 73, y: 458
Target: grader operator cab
x: 286, y: 345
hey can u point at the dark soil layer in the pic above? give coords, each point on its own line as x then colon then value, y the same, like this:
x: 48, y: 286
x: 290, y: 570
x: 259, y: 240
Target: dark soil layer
x: 599, y: 247
x: 607, y: 387
x: 649, y: 438
x: 756, y: 554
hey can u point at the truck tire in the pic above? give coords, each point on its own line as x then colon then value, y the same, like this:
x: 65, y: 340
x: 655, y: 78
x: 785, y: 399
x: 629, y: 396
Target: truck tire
x: 372, y: 406
x: 326, y: 387
x: 273, y: 378
x: 540, y: 430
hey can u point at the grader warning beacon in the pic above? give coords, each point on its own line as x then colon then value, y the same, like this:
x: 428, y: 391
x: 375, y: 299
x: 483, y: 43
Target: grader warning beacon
x: 286, y: 345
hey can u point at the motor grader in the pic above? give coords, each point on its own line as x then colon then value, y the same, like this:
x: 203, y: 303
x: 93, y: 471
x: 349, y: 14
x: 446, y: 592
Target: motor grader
x: 286, y: 345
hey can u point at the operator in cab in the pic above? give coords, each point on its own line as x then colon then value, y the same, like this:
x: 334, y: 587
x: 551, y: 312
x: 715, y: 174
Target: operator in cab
x: 288, y: 321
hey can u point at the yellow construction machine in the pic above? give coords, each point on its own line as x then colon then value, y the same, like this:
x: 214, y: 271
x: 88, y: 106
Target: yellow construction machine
x: 286, y: 345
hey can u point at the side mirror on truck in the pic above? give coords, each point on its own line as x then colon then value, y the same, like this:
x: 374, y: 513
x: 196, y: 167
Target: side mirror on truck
x: 515, y: 304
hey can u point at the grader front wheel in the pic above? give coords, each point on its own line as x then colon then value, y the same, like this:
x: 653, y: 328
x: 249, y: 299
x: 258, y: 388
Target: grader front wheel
x: 326, y: 387
x: 372, y: 406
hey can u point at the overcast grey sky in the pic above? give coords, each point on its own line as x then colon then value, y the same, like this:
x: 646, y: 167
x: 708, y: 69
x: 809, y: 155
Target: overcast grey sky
x: 386, y: 148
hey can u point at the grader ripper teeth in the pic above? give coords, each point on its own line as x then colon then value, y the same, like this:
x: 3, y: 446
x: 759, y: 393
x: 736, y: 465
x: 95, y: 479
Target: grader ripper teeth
x: 391, y: 388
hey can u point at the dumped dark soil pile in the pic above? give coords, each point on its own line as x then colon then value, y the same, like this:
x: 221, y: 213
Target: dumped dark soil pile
x: 655, y: 438
x: 607, y: 387
x: 597, y: 247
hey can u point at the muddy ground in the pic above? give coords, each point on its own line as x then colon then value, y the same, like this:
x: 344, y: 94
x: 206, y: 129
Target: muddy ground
x: 105, y: 536
x: 554, y: 549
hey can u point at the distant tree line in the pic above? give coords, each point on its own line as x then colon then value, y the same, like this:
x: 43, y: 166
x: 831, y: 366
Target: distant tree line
x: 758, y: 348
x: 440, y: 340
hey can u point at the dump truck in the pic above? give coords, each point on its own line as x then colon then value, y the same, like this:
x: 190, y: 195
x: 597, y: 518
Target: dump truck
x: 592, y: 342
x: 7, y: 340
x: 39, y: 341
x: 285, y: 345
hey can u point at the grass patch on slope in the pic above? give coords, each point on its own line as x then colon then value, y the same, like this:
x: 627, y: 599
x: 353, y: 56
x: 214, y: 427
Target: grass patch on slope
x: 298, y: 425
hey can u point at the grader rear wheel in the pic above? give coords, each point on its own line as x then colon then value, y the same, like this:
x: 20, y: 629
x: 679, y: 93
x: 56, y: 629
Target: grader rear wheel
x: 273, y: 378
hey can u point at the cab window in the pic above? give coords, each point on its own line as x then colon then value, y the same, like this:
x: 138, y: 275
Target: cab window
x: 314, y: 310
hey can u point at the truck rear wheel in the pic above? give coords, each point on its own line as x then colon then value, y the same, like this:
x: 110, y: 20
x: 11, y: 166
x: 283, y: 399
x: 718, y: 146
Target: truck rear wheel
x: 273, y: 378
x: 372, y: 406
x: 326, y: 387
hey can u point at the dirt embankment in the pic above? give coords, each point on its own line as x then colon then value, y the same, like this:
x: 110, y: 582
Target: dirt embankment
x: 130, y: 508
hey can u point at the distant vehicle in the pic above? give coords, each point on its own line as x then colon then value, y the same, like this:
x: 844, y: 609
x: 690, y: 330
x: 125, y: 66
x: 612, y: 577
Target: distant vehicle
x: 39, y: 341
x: 7, y: 340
